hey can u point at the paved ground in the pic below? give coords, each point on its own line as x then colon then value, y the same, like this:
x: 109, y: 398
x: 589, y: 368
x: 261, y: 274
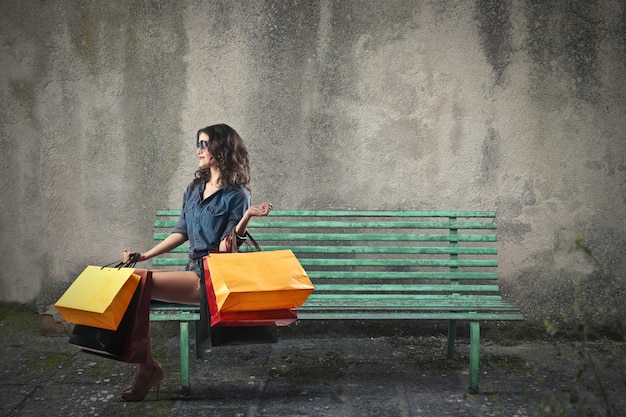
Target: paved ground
x: 341, y: 375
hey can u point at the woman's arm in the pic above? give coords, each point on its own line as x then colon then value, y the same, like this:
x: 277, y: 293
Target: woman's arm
x: 172, y: 241
x: 240, y: 229
x: 258, y: 210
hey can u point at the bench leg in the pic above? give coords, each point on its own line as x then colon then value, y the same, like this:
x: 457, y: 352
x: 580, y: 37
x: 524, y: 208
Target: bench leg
x: 184, y: 356
x: 474, y: 356
x: 451, y: 338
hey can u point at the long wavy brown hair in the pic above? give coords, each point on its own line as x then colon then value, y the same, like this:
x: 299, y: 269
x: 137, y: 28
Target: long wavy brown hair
x: 231, y: 154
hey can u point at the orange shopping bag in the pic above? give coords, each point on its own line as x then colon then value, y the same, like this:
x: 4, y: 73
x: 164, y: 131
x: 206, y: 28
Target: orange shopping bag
x: 99, y: 297
x: 257, y: 281
x: 280, y: 317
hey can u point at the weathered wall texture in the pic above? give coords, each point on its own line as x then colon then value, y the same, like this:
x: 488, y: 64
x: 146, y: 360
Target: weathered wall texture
x: 513, y: 106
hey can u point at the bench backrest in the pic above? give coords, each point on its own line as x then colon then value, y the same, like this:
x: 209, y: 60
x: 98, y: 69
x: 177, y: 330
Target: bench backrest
x: 378, y: 251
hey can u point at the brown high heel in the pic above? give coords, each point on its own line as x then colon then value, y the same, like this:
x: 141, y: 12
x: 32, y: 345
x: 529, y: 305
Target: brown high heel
x: 130, y: 387
x: 140, y: 389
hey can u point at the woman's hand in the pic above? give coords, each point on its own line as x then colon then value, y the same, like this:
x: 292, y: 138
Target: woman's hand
x: 126, y: 255
x: 174, y: 240
x: 262, y: 209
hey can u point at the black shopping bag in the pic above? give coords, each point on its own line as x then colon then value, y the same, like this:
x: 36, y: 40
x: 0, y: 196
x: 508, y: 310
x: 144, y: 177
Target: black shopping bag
x: 131, y: 341
x: 245, y: 335
x: 104, y: 341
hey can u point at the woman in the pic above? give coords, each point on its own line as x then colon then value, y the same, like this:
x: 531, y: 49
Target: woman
x: 217, y: 200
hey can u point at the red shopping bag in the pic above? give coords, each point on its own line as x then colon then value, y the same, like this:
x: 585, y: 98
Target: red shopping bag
x: 253, y: 318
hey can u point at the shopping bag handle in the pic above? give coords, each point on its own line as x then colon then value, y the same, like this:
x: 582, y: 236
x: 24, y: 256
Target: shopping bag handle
x: 132, y: 261
x: 247, y: 237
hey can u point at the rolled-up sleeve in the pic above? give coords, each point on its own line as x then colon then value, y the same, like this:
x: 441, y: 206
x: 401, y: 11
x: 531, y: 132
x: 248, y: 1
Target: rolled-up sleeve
x: 181, y: 225
x: 239, y: 203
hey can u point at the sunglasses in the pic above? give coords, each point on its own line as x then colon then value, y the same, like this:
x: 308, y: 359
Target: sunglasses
x: 202, y: 144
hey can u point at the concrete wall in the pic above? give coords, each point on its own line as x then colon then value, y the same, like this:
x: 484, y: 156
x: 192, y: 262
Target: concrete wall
x: 513, y: 106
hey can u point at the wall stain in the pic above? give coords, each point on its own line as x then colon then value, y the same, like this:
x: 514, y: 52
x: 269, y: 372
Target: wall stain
x: 563, y: 40
x: 490, y: 163
x: 154, y: 88
x: 494, y: 23
x: 23, y: 92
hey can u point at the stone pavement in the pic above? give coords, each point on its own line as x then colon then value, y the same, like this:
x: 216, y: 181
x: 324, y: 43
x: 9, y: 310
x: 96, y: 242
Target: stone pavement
x: 298, y: 376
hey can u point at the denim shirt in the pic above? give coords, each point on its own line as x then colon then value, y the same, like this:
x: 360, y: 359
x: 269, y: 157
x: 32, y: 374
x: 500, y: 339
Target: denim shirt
x: 207, y: 222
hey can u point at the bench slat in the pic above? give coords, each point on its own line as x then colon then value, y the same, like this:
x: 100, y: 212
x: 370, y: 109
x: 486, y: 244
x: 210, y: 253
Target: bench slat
x: 286, y: 224
x: 342, y: 237
x: 390, y: 250
x: 412, y: 304
x: 302, y: 224
x: 408, y: 288
x: 365, y: 213
x: 370, y: 250
x: 388, y: 237
x: 383, y: 213
x: 369, y: 315
x: 164, y: 316
x: 169, y: 262
x: 391, y: 275
x: 172, y: 307
x: 381, y: 311
x: 479, y: 301
x: 451, y: 263
x: 372, y: 237
x: 383, y: 275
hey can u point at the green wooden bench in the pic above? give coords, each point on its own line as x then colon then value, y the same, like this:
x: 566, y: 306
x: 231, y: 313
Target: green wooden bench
x: 382, y: 265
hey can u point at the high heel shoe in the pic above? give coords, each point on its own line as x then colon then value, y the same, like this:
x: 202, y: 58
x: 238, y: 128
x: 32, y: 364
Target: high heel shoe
x: 130, y: 387
x: 141, y: 386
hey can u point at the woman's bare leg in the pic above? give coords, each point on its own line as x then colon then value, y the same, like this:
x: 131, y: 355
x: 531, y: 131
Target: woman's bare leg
x: 181, y: 287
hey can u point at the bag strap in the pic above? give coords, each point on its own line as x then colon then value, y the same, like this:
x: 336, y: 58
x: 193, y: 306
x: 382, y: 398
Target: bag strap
x: 247, y: 238
x: 251, y: 239
x: 132, y: 261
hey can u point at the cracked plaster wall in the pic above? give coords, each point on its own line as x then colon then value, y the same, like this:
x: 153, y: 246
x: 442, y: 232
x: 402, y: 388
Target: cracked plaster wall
x: 517, y: 107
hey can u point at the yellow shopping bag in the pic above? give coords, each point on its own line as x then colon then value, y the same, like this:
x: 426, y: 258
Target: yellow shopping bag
x: 99, y: 297
x: 257, y: 281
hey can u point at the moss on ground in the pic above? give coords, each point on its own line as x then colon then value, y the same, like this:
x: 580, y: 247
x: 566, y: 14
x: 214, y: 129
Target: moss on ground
x: 18, y: 318
x: 48, y: 362
x: 328, y: 365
